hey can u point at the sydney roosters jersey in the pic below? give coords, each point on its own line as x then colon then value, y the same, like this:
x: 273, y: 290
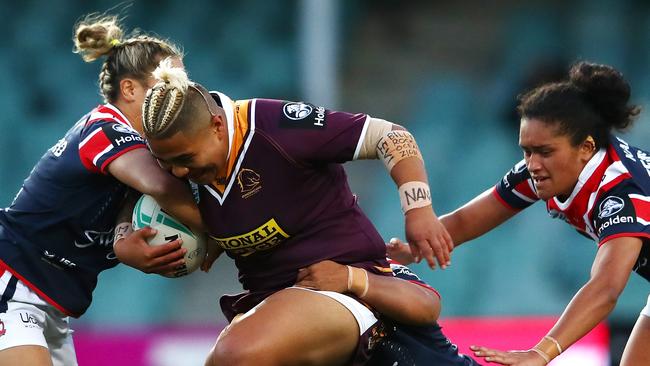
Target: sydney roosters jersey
x: 403, y: 272
x: 57, y: 235
x: 285, y: 203
x: 610, y: 200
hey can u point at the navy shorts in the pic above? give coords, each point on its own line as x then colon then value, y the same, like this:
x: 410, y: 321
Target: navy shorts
x: 415, y: 346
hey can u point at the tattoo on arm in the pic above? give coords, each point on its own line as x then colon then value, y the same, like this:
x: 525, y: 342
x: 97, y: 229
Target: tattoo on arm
x: 122, y: 230
x: 123, y: 221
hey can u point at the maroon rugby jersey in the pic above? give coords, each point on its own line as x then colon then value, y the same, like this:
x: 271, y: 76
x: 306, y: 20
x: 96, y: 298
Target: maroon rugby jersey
x: 611, y: 198
x: 286, y: 203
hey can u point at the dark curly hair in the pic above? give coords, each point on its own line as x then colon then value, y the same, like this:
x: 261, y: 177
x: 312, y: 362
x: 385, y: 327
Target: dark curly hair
x: 592, y: 102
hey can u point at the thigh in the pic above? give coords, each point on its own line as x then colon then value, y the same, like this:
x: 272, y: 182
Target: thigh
x: 25, y: 356
x: 22, y: 341
x: 637, y: 351
x: 294, y: 326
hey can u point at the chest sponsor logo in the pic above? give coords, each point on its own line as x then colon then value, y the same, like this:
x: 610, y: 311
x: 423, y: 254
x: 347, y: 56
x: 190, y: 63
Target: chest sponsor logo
x: 2, y: 328
x: 610, y: 206
x: 98, y: 238
x: 265, y: 237
x: 249, y: 182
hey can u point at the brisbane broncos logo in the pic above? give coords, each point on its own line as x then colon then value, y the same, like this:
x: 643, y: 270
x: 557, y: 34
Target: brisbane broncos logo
x: 249, y: 182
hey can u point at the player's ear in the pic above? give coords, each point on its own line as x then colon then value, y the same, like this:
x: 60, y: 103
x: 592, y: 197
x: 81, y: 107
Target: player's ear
x: 218, y: 123
x: 128, y: 89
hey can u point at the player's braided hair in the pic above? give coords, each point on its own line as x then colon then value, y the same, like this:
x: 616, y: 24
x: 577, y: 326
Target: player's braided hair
x: 165, y: 100
x: 96, y: 36
x: 593, y: 101
x: 175, y: 103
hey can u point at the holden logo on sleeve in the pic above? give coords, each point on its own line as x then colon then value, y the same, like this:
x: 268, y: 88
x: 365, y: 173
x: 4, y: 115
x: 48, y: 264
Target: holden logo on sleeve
x: 297, y: 111
x: 610, y: 206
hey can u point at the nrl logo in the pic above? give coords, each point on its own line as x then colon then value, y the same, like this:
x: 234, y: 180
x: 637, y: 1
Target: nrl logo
x: 611, y: 206
x: 297, y: 111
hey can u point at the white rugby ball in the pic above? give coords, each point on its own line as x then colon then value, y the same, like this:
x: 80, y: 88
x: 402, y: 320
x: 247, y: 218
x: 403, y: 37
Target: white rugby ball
x: 147, y: 212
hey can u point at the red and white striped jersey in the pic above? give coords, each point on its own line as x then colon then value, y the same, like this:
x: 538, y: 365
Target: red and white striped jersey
x: 611, y: 198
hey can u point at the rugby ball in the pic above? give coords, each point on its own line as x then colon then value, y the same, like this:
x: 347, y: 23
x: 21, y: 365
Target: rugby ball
x: 147, y: 212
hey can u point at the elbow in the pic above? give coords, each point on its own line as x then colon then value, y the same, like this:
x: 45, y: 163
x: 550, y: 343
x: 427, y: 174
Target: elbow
x: 397, y: 127
x: 434, y: 309
x: 610, y: 296
x: 606, y: 292
x: 425, y: 312
x: 158, y: 188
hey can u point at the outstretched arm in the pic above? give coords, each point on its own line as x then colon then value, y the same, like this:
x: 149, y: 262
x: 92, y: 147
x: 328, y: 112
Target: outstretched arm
x: 474, y: 219
x: 401, y: 300
x: 591, y: 305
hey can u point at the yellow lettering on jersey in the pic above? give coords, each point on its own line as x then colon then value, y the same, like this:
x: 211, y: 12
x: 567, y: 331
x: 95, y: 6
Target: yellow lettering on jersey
x: 265, y: 237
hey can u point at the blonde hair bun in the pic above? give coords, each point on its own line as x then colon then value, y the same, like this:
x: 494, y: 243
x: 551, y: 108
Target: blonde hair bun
x: 175, y: 77
x: 95, y: 36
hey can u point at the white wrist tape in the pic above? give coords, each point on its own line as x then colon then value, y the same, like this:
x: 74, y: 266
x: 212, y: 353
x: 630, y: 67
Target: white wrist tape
x: 414, y: 195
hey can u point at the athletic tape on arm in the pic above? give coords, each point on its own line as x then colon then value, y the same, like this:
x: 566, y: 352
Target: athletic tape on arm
x: 395, y: 146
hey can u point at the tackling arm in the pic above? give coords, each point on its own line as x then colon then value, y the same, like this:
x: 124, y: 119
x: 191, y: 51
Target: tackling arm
x: 476, y: 217
x: 139, y: 170
x: 396, y: 298
x: 591, y: 305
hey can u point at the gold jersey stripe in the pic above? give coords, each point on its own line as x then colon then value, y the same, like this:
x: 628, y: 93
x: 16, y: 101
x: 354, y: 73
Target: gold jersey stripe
x: 241, y: 126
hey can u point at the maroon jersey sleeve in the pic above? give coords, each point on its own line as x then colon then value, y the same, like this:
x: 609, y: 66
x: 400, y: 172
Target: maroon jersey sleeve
x: 309, y: 133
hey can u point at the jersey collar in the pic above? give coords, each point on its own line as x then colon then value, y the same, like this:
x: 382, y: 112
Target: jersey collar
x: 584, y: 176
x: 122, y: 117
x: 228, y: 107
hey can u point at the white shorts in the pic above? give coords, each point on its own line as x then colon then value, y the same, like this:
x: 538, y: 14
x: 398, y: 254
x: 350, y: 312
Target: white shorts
x: 25, y: 319
x: 365, y: 318
x: 646, y: 309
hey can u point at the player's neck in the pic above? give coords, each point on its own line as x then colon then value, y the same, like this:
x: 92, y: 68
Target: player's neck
x: 134, y: 115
